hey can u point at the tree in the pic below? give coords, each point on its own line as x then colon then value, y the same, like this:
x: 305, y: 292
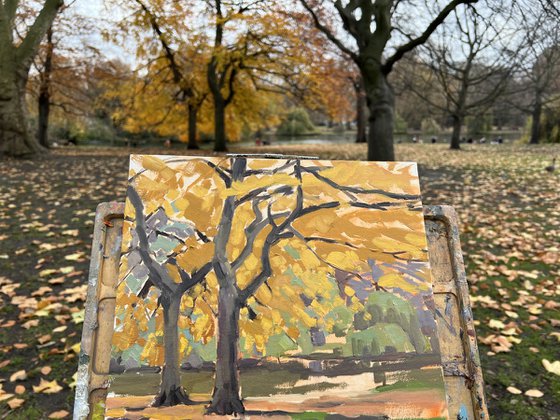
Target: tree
x: 15, y: 63
x: 468, y: 64
x: 539, y: 70
x: 263, y: 195
x: 44, y: 102
x: 370, y: 26
x: 171, y: 289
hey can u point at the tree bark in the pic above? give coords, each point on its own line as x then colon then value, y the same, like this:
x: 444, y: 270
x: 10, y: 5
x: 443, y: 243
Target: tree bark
x: 361, y: 117
x: 225, y: 397
x: 456, y: 136
x: 15, y: 139
x: 15, y: 62
x: 171, y: 392
x: 381, y: 105
x: 536, y: 123
x: 44, y: 101
x: 219, y: 124
x: 193, y: 111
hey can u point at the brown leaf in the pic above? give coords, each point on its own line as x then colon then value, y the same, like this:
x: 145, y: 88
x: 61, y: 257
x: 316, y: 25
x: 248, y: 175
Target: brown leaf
x: 20, y: 375
x: 59, y: 414
x: 15, y: 403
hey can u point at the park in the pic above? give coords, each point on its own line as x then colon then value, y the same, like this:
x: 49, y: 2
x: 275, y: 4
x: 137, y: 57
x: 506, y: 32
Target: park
x: 461, y: 91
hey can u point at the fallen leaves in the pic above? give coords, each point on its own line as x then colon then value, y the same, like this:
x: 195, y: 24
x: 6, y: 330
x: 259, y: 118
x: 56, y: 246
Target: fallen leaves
x: 552, y: 367
x: 47, y: 387
x: 59, y: 414
x: 534, y: 393
x: 20, y: 375
x: 15, y: 403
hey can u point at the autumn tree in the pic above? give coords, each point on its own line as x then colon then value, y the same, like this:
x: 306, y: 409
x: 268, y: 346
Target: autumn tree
x: 273, y: 200
x: 172, y: 285
x: 59, y: 80
x: 16, y: 58
x: 260, y: 226
x: 369, y: 26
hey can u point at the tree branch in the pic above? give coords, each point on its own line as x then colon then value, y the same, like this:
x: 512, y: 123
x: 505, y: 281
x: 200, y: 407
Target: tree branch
x: 29, y: 46
x: 409, y: 46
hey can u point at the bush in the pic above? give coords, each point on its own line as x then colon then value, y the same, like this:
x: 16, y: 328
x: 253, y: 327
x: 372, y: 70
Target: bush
x: 295, y: 123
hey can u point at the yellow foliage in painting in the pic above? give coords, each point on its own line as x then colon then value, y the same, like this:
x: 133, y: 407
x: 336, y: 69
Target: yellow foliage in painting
x: 397, y: 280
x: 127, y: 336
x: 153, y: 352
x: 252, y: 183
x: 338, y: 241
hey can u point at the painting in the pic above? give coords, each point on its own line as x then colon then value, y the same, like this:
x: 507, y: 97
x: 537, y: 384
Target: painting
x: 285, y: 288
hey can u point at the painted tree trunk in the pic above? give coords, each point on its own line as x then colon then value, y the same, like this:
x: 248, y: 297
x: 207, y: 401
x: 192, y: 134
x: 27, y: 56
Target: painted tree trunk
x: 456, y: 136
x: 44, y: 101
x: 171, y: 392
x: 15, y: 139
x: 225, y: 397
x: 381, y: 105
x: 536, y: 123
x: 219, y: 124
x: 193, y: 111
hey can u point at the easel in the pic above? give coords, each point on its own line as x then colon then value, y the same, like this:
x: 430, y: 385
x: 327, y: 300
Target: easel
x: 461, y: 364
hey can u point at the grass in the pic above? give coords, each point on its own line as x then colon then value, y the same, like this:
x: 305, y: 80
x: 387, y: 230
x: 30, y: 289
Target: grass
x: 509, y: 209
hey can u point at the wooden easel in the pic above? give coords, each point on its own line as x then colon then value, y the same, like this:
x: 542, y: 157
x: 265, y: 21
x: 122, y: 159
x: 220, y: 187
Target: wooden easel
x: 461, y: 364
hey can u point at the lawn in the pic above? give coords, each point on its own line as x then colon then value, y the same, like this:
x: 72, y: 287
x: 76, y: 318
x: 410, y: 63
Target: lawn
x: 509, y: 209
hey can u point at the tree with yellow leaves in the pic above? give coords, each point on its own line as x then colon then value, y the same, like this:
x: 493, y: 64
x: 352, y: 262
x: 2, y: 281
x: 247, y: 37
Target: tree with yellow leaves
x: 163, y: 273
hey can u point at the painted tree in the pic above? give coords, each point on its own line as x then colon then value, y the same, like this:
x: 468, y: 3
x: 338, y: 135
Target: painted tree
x: 369, y: 26
x: 171, y: 280
x: 292, y: 222
x: 16, y: 58
x: 265, y: 207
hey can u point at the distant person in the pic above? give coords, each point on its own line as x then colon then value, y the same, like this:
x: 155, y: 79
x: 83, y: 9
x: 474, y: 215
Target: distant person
x: 500, y: 140
x: 258, y: 142
x: 167, y: 143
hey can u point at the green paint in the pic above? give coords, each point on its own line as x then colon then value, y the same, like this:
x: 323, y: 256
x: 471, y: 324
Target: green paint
x: 376, y: 340
x: 310, y: 415
x: 292, y: 251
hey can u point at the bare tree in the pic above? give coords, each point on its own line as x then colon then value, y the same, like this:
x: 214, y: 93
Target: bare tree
x: 16, y: 59
x: 539, y: 72
x: 467, y: 64
x: 371, y: 26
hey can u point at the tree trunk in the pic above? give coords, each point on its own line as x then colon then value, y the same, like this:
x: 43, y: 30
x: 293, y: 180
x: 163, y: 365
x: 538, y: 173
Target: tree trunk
x: 536, y: 123
x: 219, y: 124
x: 44, y: 94
x: 171, y: 392
x: 361, y: 115
x: 225, y: 397
x: 381, y: 105
x: 193, y: 111
x: 456, y: 136
x: 15, y: 139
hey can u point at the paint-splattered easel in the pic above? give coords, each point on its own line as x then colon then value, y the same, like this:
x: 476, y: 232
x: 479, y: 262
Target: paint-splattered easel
x: 461, y: 364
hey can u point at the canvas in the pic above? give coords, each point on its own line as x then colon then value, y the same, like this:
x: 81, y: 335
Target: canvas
x: 274, y: 288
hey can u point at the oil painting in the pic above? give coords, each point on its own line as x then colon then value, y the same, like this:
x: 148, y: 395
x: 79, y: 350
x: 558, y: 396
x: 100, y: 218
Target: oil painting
x: 283, y: 288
